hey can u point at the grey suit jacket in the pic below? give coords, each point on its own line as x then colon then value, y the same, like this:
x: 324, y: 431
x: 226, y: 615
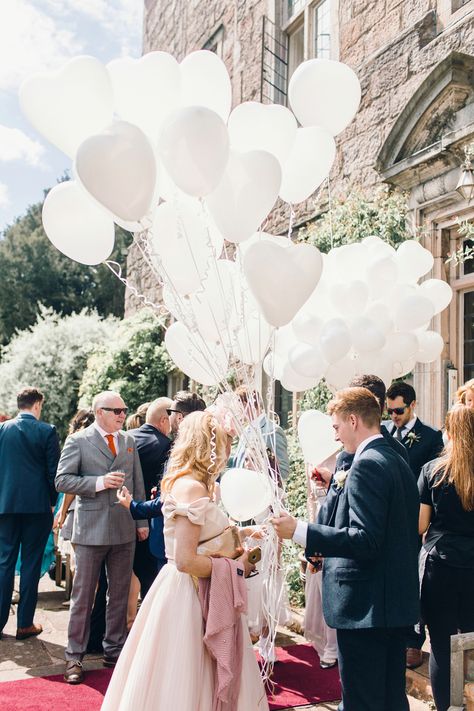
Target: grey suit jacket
x: 98, y: 518
x: 273, y: 437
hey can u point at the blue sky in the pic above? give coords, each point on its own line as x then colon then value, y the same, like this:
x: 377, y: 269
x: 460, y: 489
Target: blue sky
x: 38, y: 35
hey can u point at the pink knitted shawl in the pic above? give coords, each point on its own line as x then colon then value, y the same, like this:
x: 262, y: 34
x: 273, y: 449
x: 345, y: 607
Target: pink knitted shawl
x: 223, y: 598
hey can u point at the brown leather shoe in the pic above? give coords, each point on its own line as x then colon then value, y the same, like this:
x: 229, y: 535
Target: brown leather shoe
x: 31, y: 631
x: 74, y: 673
x: 414, y: 658
x: 109, y: 661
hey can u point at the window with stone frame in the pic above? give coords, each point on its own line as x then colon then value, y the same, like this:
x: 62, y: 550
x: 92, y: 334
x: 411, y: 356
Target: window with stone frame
x: 310, y: 26
x: 458, y: 4
x: 216, y: 42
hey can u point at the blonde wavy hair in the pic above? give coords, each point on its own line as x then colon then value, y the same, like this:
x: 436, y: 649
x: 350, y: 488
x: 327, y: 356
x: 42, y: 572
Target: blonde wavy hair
x: 199, y: 449
x: 456, y: 463
x: 462, y: 391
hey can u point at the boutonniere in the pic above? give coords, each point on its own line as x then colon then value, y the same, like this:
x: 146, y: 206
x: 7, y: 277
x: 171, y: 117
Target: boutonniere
x: 340, y: 478
x: 412, y: 437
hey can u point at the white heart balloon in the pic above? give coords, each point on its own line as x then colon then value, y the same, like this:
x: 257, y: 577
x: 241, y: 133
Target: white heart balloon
x: 438, y: 292
x: 413, y: 311
x: 146, y: 90
x: 205, y: 82
x: 366, y: 337
x: 118, y: 167
x: 76, y: 226
x: 334, y: 340
x: 316, y: 436
x: 194, y: 148
x: 245, y: 195
x: 294, y: 382
x: 68, y: 105
x: 245, y: 493
x: 308, y: 163
x: 204, y: 362
x: 431, y: 346
x: 413, y: 261
x: 267, y: 266
x: 262, y: 127
x: 323, y: 92
x: 307, y: 360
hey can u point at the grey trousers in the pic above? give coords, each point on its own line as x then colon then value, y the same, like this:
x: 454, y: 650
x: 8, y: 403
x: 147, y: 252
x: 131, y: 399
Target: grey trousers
x: 118, y: 564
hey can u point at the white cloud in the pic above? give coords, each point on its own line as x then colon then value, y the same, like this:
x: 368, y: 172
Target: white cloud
x: 16, y: 145
x: 4, y: 197
x: 31, y: 41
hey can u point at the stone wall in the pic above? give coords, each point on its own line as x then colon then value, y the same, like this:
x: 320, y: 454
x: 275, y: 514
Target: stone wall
x: 393, y: 45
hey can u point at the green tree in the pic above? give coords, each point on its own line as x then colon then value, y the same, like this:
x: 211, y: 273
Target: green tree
x: 52, y: 355
x: 33, y: 271
x: 383, y: 214
x: 135, y: 363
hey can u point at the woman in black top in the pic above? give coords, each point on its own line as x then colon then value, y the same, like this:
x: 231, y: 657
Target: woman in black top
x: 446, y: 487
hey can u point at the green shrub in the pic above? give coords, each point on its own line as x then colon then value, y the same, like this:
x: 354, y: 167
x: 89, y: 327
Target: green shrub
x: 52, y: 355
x: 135, y: 362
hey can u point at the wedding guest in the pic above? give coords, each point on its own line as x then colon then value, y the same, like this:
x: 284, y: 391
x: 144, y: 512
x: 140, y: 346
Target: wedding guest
x: 465, y: 394
x: 446, y: 487
x: 166, y: 662
x: 423, y: 443
x: 183, y: 404
x: 94, y: 463
x: 138, y: 418
x: 29, y: 454
x: 367, y: 534
x: 260, y: 428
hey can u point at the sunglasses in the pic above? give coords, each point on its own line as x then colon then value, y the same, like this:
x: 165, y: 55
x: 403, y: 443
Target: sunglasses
x: 169, y: 411
x: 116, y: 410
x: 396, y: 410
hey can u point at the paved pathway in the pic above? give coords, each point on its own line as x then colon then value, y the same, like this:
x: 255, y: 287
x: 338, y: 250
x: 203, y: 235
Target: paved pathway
x: 43, y: 655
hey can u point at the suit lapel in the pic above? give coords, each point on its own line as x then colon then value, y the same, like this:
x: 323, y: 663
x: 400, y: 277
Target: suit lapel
x: 99, y: 442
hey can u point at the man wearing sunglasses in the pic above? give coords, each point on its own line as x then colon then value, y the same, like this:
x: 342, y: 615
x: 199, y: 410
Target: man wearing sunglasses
x: 423, y: 443
x: 94, y: 463
x: 183, y: 404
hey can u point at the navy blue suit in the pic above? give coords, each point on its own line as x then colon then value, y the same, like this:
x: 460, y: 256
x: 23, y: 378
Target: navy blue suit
x: 367, y: 532
x: 426, y: 447
x: 29, y: 455
x: 153, y: 449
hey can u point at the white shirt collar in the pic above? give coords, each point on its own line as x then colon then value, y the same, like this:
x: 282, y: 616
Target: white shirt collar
x: 104, y: 433
x: 364, y: 444
x: 409, y: 425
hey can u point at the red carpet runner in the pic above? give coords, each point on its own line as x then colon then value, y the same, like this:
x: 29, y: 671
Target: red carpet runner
x: 298, y: 681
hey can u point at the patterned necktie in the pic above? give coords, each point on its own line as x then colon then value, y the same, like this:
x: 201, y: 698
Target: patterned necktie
x: 398, y: 433
x: 111, y: 443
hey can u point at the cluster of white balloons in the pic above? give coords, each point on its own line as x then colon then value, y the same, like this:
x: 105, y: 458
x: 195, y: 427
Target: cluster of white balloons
x: 142, y: 131
x: 367, y: 314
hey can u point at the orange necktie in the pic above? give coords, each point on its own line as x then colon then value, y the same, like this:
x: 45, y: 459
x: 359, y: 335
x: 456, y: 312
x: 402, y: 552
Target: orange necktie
x: 111, y: 443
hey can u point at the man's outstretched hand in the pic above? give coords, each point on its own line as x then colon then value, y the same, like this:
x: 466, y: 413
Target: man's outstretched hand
x: 284, y: 525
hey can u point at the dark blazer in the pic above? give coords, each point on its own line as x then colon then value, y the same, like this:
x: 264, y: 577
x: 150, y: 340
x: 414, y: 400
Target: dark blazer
x: 29, y: 455
x: 153, y: 449
x: 367, y: 532
x: 344, y: 459
x: 428, y: 445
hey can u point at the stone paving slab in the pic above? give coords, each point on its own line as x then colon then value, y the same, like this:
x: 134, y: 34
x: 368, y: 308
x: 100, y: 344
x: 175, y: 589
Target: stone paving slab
x: 44, y: 655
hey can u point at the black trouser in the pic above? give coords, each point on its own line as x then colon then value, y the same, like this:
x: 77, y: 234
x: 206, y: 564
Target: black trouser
x: 30, y: 531
x: 416, y: 635
x: 145, y: 566
x: 372, y: 669
x: 447, y: 602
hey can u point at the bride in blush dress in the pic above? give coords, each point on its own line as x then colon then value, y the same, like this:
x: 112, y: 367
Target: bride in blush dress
x: 165, y: 664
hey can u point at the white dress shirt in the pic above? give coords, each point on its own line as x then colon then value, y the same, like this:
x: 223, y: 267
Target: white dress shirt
x: 99, y: 485
x: 301, y: 530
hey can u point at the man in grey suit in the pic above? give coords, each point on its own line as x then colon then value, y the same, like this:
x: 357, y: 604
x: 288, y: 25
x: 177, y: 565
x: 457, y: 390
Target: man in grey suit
x: 94, y: 463
x: 260, y: 428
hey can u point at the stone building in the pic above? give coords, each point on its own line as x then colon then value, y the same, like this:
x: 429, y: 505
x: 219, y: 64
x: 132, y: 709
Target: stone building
x: 415, y: 61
